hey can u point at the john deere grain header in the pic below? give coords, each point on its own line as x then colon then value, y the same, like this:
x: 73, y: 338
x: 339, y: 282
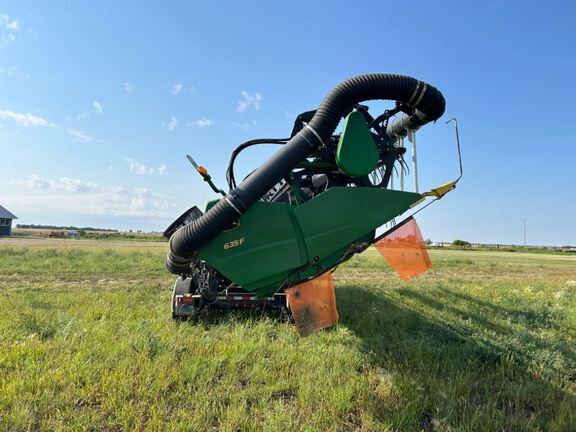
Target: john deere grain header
x: 274, y: 238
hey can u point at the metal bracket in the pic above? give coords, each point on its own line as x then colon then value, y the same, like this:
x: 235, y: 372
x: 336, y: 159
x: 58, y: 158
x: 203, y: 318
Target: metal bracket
x: 442, y: 190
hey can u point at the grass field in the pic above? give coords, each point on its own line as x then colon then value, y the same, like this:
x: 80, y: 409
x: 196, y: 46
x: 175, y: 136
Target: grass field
x: 111, y: 236
x: 485, y: 341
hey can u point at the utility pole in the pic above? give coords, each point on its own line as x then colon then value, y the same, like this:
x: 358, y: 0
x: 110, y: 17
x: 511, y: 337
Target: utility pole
x: 524, y: 232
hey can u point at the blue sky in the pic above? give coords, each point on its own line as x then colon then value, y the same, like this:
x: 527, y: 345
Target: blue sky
x: 100, y: 102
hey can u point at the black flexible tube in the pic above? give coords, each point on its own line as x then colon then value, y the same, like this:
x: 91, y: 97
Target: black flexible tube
x: 230, y: 171
x: 427, y: 102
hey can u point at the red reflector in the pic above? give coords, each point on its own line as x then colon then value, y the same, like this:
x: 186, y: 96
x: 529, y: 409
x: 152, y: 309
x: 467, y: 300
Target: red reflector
x: 182, y: 300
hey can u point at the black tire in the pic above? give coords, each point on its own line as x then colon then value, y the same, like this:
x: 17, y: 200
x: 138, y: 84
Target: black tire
x: 181, y: 287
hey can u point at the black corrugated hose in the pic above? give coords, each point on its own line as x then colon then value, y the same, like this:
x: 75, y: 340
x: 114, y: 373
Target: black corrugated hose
x: 427, y: 102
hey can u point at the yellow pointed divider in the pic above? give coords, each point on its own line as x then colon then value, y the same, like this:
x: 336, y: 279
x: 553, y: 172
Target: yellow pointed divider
x: 440, y: 191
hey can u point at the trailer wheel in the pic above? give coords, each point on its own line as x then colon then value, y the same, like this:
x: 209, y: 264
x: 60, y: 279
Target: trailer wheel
x: 285, y: 315
x: 181, y: 287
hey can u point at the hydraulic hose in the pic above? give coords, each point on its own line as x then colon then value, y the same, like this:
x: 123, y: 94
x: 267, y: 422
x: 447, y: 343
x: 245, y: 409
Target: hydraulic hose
x: 426, y: 101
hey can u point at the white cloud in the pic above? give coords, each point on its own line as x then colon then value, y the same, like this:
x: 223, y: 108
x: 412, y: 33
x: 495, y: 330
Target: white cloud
x: 80, y: 135
x: 141, y: 169
x: 123, y: 201
x: 118, y: 193
x: 249, y: 100
x: 8, y: 23
x: 75, y: 185
x: 6, y: 39
x: 82, y: 115
x: 98, y: 107
x: 30, y: 120
x: 176, y: 88
x: 137, y: 167
x: 14, y: 72
x: 243, y: 126
x: 7, y: 26
x: 201, y: 123
x: 129, y: 87
x: 37, y: 182
x: 81, y: 197
x: 170, y: 124
x: 25, y: 120
x: 63, y: 183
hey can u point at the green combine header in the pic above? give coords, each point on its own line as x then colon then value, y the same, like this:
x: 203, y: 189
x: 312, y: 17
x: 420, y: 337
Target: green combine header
x: 274, y: 238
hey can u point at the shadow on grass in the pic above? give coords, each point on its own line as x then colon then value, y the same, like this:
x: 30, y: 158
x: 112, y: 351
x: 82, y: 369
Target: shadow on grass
x: 217, y: 316
x: 559, y: 358
x: 540, y: 316
x: 448, y: 375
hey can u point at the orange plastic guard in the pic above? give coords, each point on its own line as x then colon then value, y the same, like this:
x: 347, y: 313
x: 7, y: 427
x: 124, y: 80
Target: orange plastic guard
x: 313, y: 304
x: 404, y: 249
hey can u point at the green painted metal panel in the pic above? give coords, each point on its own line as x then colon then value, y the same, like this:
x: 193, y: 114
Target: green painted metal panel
x: 266, y: 288
x: 211, y: 204
x: 356, y: 154
x: 265, y: 245
x: 341, y: 215
x: 276, y: 241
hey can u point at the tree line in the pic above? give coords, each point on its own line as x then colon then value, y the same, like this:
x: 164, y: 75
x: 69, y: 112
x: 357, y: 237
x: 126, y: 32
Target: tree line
x: 68, y: 228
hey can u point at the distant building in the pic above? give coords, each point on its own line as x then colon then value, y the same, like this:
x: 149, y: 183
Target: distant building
x: 73, y: 234
x: 6, y: 221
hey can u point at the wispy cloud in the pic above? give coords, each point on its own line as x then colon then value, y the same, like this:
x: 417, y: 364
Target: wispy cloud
x: 8, y: 27
x: 141, y: 169
x: 9, y: 23
x: 129, y: 87
x: 82, y: 197
x: 80, y: 135
x: 170, y: 124
x: 25, y: 119
x: 176, y: 88
x: 243, y: 126
x: 35, y: 182
x: 137, y: 167
x: 136, y: 202
x: 82, y: 115
x: 249, y: 100
x: 75, y: 185
x: 201, y: 123
x: 14, y: 72
x: 63, y: 183
x: 98, y: 107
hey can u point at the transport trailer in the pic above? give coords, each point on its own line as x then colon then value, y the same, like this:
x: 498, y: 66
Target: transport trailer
x: 187, y: 303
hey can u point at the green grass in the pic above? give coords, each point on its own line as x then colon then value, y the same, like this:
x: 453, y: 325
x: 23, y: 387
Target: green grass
x: 485, y: 341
